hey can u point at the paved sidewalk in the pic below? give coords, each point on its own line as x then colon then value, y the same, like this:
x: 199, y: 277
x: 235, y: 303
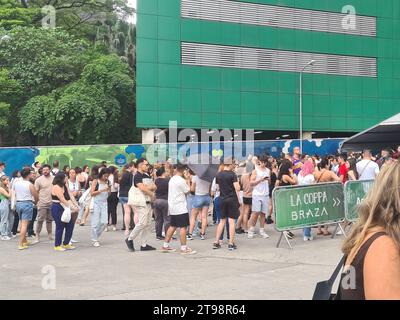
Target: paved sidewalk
x: 257, y: 270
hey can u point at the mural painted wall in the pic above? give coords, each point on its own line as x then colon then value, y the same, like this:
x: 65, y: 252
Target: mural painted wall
x: 119, y: 155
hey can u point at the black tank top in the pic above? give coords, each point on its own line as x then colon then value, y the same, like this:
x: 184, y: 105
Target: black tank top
x: 358, y: 263
x: 66, y: 195
x: 281, y: 182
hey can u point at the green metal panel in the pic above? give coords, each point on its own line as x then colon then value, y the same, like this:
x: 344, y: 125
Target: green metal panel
x: 354, y: 194
x: 202, y: 97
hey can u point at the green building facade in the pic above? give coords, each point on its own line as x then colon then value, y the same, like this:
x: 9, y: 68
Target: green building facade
x: 235, y: 64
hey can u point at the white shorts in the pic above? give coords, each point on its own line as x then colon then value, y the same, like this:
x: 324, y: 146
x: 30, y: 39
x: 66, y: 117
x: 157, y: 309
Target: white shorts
x: 260, y: 204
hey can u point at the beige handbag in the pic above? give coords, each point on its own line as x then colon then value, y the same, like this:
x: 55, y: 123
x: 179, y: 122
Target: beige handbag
x: 136, y: 198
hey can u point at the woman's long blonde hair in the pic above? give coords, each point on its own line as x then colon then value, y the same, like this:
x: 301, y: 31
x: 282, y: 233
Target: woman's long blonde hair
x: 380, y: 208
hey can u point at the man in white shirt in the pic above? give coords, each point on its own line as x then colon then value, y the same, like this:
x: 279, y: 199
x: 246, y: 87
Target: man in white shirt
x: 367, y: 169
x: 178, y: 187
x: 259, y: 180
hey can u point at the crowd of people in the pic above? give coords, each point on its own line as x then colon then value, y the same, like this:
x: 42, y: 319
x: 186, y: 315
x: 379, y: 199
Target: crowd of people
x: 237, y: 199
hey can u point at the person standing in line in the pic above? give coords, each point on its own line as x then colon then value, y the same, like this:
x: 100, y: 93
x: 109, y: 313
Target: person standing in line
x: 247, y: 199
x: 125, y: 185
x: 43, y: 185
x: 112, y: 201
x: 31, y: 225
x: 334, y: 165
x: 100, y: 190
x: 25, y: 192
x: 66, y: 169
x: 286, y: 177
x: 272, y: 182
x: 259, y: 180
x: 88, y: 205
x: 62, y: 199
x: 367, y: 169
x: 161, y: 204
x: 230, y: 202
x: 73, y: 184
x: 352, y: 173
x: 178, y: 187
x: 217, y: 205
x: 2, y: 167
x: 145, y: 194
x: 343, y: 170
x: 322, y: 176
x: 85, y: 172
x: 81, y: 177
x: 56, y: 166
x: 306, y: 177
x: 296, y: 160
x: 372, y: 249
x: 6, y: 216
x: 201, y: 203
x: 16, y: 175
x: 385, y: 155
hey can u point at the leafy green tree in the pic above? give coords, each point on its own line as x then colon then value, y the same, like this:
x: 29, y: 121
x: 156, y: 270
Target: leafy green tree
x: 13, y: 14
x: 87, y: 111
x: 42, y: 59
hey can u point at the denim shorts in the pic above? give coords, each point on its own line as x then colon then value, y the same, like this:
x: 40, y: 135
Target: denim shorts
x: 201, y: 201
x: 123, y: 200
x: 24, y: 210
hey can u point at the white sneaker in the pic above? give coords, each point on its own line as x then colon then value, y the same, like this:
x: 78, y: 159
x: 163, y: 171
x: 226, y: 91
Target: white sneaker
x: 73, y: 241
x: 96, y: 244
x: 14, y: 236
x: 106, y: 229
x: 308, y: 238
x: 250, y: 235
x: 5, y: 238
x: 264, y: 235
x: 36, y: 240
x: 339, y: 233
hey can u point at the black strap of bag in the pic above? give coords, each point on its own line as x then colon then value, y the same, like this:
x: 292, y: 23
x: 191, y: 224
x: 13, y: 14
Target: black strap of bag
x: 323, y: 290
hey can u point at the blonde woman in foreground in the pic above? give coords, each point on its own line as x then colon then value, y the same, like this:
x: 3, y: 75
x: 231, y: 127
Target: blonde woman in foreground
x: 373, y: 248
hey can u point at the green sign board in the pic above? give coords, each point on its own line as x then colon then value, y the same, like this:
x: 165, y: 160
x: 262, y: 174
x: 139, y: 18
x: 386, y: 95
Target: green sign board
x: 304, y: 206
x: 354, y: 194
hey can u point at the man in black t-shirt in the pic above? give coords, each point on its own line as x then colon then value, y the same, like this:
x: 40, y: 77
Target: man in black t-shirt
x: 143, y: 182
x: 229, y: 187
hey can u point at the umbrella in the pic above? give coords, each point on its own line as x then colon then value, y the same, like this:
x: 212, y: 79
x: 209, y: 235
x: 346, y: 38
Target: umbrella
x: 203, y: 165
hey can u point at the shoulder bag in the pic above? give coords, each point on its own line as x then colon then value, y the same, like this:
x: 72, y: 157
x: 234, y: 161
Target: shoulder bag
x: 323, y: 290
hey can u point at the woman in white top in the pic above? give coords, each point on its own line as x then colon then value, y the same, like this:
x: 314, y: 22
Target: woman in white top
x: 305, y: 177
x: 25, y: 192
x: 100, y: 190
x: 73, y: 184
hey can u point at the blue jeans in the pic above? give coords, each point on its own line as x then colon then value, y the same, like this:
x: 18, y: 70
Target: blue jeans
x: 6, y: 218
x: 99, y: 219
x: 57, y: 211
x: 218, y: 214
x: 307, y: 232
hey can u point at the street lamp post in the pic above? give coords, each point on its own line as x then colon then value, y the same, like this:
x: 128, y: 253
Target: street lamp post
x: 310, y: 63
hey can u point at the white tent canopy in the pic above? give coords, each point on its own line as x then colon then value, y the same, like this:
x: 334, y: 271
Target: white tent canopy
x: 384, y: 134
